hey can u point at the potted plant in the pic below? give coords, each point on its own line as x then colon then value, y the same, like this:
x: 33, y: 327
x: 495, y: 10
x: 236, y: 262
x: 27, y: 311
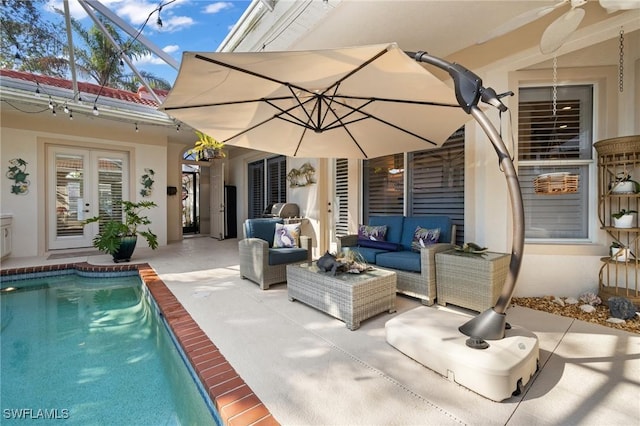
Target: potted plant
x: 207, y: 147
x: 623, y: 218
x: 119, y: 238
x: 619, y: 252
x: 623, y: 183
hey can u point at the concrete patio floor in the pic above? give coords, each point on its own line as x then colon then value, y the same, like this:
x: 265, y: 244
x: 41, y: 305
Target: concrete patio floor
x: 309, y: 369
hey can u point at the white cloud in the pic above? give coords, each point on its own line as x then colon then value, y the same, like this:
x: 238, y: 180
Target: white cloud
x: 176, y: 23
x: 218, y: 7
x: 171, y: 48
x: 151, y: 59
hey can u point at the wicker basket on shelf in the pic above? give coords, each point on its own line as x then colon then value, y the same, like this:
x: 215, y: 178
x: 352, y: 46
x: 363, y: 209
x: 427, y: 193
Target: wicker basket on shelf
x: 555, y: 183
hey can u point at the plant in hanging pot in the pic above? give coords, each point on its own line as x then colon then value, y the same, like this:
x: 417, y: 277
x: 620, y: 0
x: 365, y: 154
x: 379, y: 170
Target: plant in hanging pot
x: 207, y: 148
x: 119, y: 238
x: 624, y: 184
x: 623, y: 218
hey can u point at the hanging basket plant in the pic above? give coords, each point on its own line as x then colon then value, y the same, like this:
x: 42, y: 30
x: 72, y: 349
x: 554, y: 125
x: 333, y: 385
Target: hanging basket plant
x: 207, y: 148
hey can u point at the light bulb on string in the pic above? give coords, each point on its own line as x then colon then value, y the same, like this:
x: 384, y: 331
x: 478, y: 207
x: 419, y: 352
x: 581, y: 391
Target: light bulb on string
x: 95, y: 110
x: 70, y: 115
x: 136, y: 127
x: 66, y: 109
x: 50, y: 103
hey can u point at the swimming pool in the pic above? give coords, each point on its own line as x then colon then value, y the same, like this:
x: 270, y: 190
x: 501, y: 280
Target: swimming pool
x: 92, y: 351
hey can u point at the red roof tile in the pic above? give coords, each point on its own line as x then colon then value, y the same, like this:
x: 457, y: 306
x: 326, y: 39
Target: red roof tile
x: 142, y: 97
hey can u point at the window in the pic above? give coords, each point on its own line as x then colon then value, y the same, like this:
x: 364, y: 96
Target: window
x: 555, y: 143
x: 434, y: 183
x: 267, y: 184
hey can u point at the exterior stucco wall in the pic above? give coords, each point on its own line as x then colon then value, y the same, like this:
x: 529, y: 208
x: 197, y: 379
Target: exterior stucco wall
x: 26, y: 136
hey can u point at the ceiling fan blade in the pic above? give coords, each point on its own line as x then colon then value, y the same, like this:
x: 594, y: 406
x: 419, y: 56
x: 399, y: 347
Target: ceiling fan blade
x: 615, y: 5
x: 559, y: 31
x: 520, y: 21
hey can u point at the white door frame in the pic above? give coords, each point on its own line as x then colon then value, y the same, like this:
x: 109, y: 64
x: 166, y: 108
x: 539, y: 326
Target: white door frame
x: 88, y: 198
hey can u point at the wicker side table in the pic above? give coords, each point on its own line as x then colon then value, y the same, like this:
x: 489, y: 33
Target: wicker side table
x: 351, y: 298
x: 472, y: 281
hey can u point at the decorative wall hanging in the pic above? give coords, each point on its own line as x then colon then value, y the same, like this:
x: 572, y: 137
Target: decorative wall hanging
x: 303, y: 176
x: 147, y: 182
x: 18, y: 173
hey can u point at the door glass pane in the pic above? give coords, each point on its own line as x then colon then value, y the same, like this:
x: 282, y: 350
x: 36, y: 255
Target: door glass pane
x: 109, y: 189
x: 69, y: 195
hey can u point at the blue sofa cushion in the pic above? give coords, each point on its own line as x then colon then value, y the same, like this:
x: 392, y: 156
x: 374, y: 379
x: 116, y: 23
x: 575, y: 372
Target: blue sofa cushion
x: 280, y: 256
x: 263, y: 228
x: 403, y: 260
x: 394, y: 226
x: 429, y: 222
x: 367, y: 253
x: 382, y: 245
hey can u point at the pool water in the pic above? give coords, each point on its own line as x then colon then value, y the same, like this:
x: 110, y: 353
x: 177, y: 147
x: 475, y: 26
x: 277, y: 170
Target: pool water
x: 92, y: 351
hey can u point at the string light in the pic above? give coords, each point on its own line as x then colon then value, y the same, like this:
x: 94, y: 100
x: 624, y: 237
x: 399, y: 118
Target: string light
x: 70, y: 115
x: 66, y: 108
x: 178, y: 127
x: 136, y: 127
x: 95, y: 110
x: 50, y: 103
x: 53, y: 111
x: 159, y: 21
x: 37, y: 89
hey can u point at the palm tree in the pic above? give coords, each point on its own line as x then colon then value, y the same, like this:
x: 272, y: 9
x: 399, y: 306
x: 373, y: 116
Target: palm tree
x: 101, y: 60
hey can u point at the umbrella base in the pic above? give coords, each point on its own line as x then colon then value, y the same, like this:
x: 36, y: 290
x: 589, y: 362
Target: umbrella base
x: 497, y: 371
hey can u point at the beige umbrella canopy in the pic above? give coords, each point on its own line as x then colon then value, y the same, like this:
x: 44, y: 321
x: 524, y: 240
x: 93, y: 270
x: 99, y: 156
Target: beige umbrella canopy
x: 358, y: 102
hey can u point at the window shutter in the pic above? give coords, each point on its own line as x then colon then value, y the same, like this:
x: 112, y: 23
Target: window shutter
x: 256, y: 189
x: 383, y: 182
x: 342, y: 197
x: 436, y: 182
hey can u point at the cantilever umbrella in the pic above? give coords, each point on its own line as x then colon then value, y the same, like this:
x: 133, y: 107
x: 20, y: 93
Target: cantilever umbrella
x: 358, y: 102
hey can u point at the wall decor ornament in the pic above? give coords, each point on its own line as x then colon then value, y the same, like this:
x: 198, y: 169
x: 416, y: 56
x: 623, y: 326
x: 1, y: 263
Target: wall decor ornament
x: 18, y: 173
x: 303, y: 176
x: 147, y: 182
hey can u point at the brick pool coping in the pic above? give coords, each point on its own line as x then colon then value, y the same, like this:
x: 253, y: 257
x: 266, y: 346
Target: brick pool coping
x: 236, y: 403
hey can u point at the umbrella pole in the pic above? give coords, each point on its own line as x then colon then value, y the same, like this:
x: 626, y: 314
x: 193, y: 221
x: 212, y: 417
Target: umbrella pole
x: 491, y: 323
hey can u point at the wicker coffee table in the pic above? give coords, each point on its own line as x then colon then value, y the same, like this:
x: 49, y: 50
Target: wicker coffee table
x: 472, y: 281
x: 351, y: 298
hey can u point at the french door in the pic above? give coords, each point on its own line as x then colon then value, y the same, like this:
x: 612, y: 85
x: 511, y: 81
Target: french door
x: 82, y: 183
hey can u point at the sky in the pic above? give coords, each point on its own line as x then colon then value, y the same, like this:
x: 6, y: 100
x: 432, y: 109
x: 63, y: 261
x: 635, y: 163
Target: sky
x: 187, y: 25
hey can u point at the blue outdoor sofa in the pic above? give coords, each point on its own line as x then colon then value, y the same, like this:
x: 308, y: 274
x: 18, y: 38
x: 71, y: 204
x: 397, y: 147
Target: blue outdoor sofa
x: 416, y: 271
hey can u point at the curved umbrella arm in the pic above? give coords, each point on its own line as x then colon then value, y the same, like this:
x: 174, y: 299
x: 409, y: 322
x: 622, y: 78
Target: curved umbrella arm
x: 491, y: 323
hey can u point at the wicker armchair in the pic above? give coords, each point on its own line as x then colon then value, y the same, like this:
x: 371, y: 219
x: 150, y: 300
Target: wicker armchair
x: 260, y: 262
